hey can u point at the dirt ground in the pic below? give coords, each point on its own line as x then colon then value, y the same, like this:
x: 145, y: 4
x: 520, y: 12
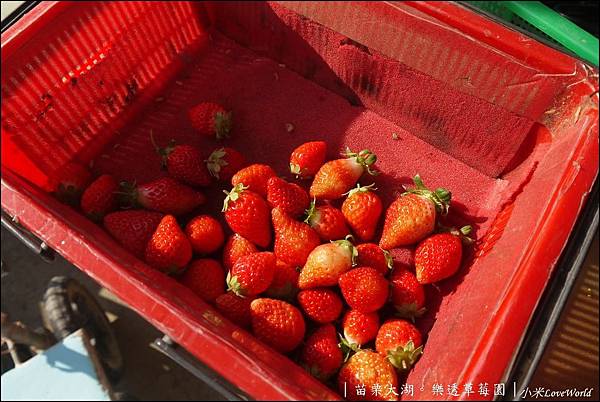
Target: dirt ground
x: 148, y: 375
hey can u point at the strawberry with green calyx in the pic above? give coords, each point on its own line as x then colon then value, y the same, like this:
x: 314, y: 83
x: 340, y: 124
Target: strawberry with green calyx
x: 337, y: 177
x: 371, y: 255
x: 348, y: 348
x: 211, y: 119
x: 183, y: 162
x: 255, y: 177
x: 400, y: 342
x: 327, y: 221
x: 247, y: 214
x: 306, y: 160
x: 359, y: 328
x: 439, y: 256
x: 224, y: 162
x: 252, y: 274
x: 362, y: 209
x: 412, y: 216
x: 326, y: 263
x: 69, y: 182
x: 164, y: 195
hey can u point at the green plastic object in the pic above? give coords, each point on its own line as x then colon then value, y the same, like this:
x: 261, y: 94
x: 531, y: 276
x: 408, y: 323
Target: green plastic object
x: 537, y: 18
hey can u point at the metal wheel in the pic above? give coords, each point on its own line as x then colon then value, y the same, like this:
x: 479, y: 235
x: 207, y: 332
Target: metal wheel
x: 68, y: 306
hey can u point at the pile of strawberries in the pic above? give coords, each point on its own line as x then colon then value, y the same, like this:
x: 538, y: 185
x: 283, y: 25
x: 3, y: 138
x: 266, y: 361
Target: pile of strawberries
x: 297, y: 269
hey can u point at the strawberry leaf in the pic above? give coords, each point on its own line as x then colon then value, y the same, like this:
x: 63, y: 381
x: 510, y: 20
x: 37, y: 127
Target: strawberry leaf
x: 403, y: 358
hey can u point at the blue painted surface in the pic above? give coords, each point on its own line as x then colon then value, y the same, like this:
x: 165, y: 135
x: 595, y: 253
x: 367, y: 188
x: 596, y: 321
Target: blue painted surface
x: 63, y: 372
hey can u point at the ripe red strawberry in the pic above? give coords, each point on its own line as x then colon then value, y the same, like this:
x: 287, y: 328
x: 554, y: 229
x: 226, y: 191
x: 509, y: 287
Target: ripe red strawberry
x: 247, y: 213
x: 290, y: 198
x: 100, y: 197
x: 211, y: 120
x: 321, y: 355
x: 223, y: 163
x: 367, y: 369
x: 285, y: 282
x: 438, y: 257
x: 407, y: 294
x: 293, y: 240
x: 364, y: 289
x: 326, y: 263
x: 371, y: 255
x: 236, y: 247
x: 235, y: 308
x: 69, y: 182
x: 411, y: 217
x: 184, y: 163
x: 359, y: 328
x: 339, y: 176
x: 277, y: 323
x: 306, y: 160
x: 163, y: 195
x: 252, y: 274
x: 327, y: 221
x: 206, y: 278
x: 205, y: 234
x: 320, y: 305
x: 169, y: 250
x: 362, y: 209
x: 400, y: 342
x: 132, y: 229
x: 255, y: 177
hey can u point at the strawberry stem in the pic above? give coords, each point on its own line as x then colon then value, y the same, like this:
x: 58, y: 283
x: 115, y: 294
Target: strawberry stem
x: 310, y: 212
x: 410, y: 311
x: 403, y: 358
x: 440, y: 197
x: 348, y: 245
x: 222, y: 124
x: 163, y: 152
x: 389, y: 262
x: 154, y: 144
x: 128, y: 196
x: 348, y: 348
x: 233, y: 195
x: 366, y: 158
x: 463, y: 233
x: 216, y: 161
x: 359, y: 189
x: 233, y: 285
x: 295, y: 170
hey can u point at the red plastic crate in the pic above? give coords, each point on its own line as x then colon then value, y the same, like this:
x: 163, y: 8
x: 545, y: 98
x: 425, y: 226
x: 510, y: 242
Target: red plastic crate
x: 507, y: 124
